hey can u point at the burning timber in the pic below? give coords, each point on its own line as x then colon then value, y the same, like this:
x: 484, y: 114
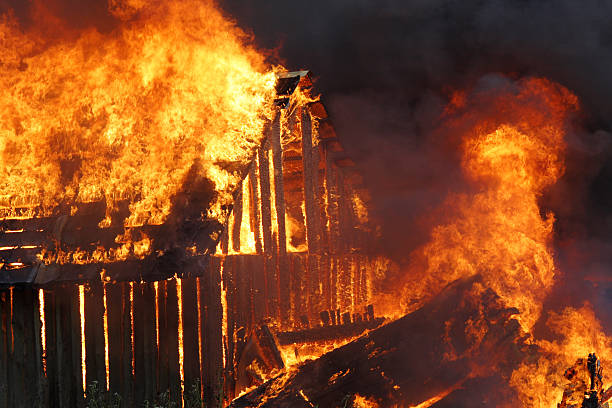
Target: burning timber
x: 429, y: 352
x: 87, y: 296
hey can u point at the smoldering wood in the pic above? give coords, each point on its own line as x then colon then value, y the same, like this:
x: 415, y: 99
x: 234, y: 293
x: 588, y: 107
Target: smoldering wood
x: 404, y: 362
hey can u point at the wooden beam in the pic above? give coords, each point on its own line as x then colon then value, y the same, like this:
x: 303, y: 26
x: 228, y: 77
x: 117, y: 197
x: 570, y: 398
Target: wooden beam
x: 211, y: 335
x: 255, y: 205
x: 115, y: 338
x: 311, y: 164
x: 237, y: 219
x: 279, y: 186
x: 174, y: 380
x: 190, y: 332
x: 127, y: 388
x: 264, y: 181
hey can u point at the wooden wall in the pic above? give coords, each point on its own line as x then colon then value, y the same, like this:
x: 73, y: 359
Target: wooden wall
x: 143, y: 341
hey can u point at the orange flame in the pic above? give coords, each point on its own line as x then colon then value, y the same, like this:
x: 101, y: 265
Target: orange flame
x: 511, y: 155
x: 125, y: 115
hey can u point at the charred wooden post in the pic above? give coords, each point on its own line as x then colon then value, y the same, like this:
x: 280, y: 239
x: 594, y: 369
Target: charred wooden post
x: 127, y: 390
x: 264, y: 180
x: 115, y: 338
x: 237, y: 220
x: 94, y: 335
x: 279, y: 203
x: 255, y: 215
x: 211, y: 335
x: 174, y: 380
x: 190, y: 332
x: 311, y: 171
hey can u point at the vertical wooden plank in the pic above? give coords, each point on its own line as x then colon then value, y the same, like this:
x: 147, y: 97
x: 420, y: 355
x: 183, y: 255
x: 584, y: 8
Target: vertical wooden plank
x: 229, y: 282
x: 255, y: 204
x: 264, y: 181
x: 30, y: 307
x: 127, y: 388
x: 190, y: 332
x: 310, y: 173
x: 62, y: 380
x: 51, y: 358
x: 237, y: 209
x: 94, y: 335
x: 213, y: 377
x: 68, y: 389
x: 283, y: 278
x: 259, y: 290
x: 4, y: 351
x: 18, y: 380
x: 162, y: 368
x: 75, y: 323
x: 41, y: 379
x: 279, y: 184
x: 150, y: 341
x: 139, y: 307
x: 325, y: 276
x: 225, y: 238
x: 10, y: 345
x: 172, y: 339
x: 115, y: 338
x: 331, y: 184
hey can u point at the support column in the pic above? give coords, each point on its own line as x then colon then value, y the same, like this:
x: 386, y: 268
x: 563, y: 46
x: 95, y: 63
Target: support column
x: 254, y: 208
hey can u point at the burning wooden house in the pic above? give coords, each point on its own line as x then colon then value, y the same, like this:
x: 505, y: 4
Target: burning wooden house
x: 144, y: 309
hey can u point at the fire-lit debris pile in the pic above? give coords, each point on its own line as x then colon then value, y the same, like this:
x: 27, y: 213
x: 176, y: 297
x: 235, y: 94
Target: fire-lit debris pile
x: 431, y: 354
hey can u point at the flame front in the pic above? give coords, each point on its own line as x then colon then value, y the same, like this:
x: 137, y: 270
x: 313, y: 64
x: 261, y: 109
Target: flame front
x: 125, y: 115
x: 510, y: 156
x: 512, y: 150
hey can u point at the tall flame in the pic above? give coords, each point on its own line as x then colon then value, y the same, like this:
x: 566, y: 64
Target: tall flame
x: 510, y: 154
x: 125, y: 115
x: 512, y: 146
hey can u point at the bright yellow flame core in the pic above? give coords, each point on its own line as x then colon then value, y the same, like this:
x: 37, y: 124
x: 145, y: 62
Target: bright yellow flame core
x: 125, y: 115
